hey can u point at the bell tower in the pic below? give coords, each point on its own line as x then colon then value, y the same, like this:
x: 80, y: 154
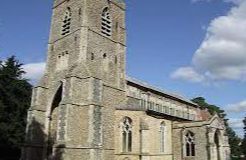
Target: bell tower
x: 92, y: 33
x: 72, y: 111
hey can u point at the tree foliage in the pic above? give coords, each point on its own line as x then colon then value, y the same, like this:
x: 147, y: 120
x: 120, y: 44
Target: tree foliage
x: 15, y: 98
x: 234, y: 140
x: 212, y: 109
x: 244, y: 139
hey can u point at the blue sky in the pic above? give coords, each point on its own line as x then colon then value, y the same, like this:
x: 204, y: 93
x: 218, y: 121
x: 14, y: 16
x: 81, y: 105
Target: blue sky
x: 190, y: 48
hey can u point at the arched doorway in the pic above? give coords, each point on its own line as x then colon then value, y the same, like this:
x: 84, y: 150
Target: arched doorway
x: 54, y: 122
x: 217, y: 145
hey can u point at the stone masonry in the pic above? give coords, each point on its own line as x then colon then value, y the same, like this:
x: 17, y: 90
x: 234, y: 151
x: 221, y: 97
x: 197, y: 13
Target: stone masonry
x: 86, y: 108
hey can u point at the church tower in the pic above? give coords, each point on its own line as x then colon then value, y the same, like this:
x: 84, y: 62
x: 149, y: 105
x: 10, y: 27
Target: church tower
x: 73, y: 106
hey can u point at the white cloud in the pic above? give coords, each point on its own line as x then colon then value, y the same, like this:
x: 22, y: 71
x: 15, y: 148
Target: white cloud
x: 238, y: 107
x: 187, y: 74
x: 222, y: 54
x: 236, y: 123
x: 237, y: 112
x: 34, y: 71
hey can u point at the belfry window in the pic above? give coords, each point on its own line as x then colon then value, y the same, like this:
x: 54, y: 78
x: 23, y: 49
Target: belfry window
x: 127, y: 135
x: 66, y: 22
x: 190, y: 144
x: 162, y: 137
x: 106, y: 26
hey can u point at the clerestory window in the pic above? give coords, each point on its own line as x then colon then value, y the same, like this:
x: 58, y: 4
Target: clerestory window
x: 127, y: 134
x: 106, y: 25
x: 190, y: 144
x: 66, y: 22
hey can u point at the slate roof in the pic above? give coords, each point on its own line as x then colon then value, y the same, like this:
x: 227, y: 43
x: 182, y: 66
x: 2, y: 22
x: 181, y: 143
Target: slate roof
x: 150, y: 87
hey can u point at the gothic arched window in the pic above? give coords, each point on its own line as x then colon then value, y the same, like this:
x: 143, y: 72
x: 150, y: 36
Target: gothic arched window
x: 127, y: 135
x: 66, y: 22
x: 190, y: 144
x: 162, y: 136
x: 106, y: 26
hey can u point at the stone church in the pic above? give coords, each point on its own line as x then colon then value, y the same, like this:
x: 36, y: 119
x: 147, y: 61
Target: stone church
x: 86, y: 108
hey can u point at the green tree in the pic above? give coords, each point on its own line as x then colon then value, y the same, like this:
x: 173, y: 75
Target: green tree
x: 15, y: 98
x: 234, y: 140
x: 243, y: 146
x: 212, y: 109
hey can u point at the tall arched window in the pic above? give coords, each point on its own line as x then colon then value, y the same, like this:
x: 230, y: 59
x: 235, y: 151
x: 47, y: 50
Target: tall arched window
x: 127, y: 135
x: 190, y: 144
x: 106, y: 26
x: 162, y: 136
x: 67, y: 22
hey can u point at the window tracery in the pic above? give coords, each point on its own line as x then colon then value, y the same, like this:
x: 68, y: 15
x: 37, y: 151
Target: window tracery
x: 127, y: 134
x: 190, y: 144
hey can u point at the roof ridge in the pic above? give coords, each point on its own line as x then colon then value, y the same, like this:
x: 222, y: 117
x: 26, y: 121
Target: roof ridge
x: 146, y: 85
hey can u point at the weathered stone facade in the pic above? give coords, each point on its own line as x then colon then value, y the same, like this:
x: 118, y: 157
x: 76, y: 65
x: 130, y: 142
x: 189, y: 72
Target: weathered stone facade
x: 85, y: 108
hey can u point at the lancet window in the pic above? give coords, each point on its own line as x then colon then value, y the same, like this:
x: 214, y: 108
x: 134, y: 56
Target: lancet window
x: 162, y: 136
x: 127, y: 134
x: 190, y: 144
